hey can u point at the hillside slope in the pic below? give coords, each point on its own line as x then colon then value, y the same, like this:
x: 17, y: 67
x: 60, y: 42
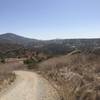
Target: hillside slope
x: 76, y: 76
x: 13, y: 38
x: 53, y: 47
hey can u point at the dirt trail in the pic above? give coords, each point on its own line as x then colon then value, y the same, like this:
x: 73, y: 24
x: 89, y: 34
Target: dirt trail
x: 30, y: 86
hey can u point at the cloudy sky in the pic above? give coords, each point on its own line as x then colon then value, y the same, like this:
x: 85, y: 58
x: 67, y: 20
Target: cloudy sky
x: 49, y: 19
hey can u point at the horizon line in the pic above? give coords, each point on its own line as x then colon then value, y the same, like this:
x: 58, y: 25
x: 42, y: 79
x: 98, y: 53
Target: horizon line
x: 52, y: 38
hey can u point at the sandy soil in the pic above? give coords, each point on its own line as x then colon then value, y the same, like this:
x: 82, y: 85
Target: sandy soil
x: 30, y: 86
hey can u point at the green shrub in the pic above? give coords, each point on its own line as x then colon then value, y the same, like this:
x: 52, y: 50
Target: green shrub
x: 30, y: 63
x: 2, y: 60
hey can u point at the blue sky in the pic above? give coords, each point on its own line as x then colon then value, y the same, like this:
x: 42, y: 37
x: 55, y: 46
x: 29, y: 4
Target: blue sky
x: 49, y: 19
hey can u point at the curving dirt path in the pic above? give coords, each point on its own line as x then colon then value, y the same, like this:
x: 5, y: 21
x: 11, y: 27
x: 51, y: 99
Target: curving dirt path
x: 30, y: 86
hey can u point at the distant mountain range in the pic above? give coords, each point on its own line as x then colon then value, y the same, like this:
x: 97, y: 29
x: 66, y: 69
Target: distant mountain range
x: 13, y: 38
x: 11, y: 41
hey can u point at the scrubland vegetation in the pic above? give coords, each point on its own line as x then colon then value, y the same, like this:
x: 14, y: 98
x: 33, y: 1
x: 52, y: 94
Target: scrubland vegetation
x: 6, y: 79
x: 72, y: 66
x: 75, y: 76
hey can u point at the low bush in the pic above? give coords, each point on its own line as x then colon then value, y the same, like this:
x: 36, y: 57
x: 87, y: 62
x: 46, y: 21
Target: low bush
x: 2, y: 59
x: 6, y: 79
x: 30, y: 63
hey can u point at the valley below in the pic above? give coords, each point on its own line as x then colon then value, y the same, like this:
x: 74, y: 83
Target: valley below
x: 49, y: 70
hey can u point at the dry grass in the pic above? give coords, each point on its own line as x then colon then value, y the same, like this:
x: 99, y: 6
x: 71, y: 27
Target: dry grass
x: 75, y: 76
x: 6, y: 79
